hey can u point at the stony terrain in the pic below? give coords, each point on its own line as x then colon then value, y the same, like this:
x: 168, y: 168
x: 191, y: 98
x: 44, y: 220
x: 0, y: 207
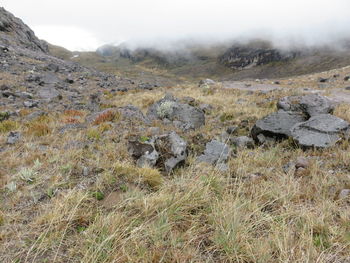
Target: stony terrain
x: 100, y: 168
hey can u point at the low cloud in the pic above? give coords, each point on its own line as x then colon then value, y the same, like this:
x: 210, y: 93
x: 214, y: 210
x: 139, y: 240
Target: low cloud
x: 166, y: 23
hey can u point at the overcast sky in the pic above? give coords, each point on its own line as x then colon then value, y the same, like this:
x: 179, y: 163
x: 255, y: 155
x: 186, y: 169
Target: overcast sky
x: 87, y: 24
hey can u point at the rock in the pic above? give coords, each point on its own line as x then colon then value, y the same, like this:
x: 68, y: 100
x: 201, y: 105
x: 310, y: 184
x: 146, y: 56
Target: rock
x: 148, y: 159
x: 311, y: 104
x: 144, y: 153
x: 177, y: 152
x: 49, y: 93
x: 19, y: 34
x: 13, y: 137
x: 230, y: 130
x: 215, y: 153
x: 322, y: 80
x: 345, y: 193
x: 69, y: 80
x: 52, y: 67
x: 320, y: 131
x: 276, y: 125
x: 169, y: 108
x: 347, y: 88
x: 131, y: 112
x: 30, y: 104
x: 302, y: 162
x: 25, y: 95
x: 146, y: 86
x: 346, y: 78
x: 206, y: 108
x: 85, y: 171
x: 301, y: 172
x: 244, y: 57
x: 206, y: 82
x: 243, y: 142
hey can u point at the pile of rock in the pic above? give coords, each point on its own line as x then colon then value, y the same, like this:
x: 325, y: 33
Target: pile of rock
x: 166, y: 151
x: 307, y: 119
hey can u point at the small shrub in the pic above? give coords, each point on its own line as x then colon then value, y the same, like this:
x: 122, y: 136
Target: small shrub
x: 7, y: 126
x: 98, y: 195
x: 74, y: 113
x: 93, y: 134
x: 105, y: 117
x: 69, y: 120
x: 4, y: 116
x: 165, y: 109
x: 38, y: 129
x: 151, y: 176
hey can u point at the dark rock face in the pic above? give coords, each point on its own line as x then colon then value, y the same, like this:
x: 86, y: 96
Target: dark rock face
x: 320, y: 131
x: 183, y: 115
x: 243, y: 57
x: 311, y: 104
x: 277, y: 125
x: 15, y: 32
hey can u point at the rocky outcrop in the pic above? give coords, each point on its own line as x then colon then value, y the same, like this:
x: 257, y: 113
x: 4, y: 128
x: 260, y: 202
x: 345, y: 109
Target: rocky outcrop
x: 276, y: 125
x: 183, y: 116
x: 320, y: 131
x: 311, y: 104
x: 306, y: 119
x: 167, y: 151
x: 244, y: 57
x: 13, y: 32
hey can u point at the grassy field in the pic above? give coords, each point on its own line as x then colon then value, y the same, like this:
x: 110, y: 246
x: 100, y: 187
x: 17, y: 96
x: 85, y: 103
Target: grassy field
x: 78, y: 197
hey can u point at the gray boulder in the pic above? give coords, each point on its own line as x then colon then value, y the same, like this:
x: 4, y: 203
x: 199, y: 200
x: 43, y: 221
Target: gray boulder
x: 320, y: 131
x: 206, y: 82
x: 311, y: 104
x: 144, y: 153
x: 131, y: 112
x: 243, y: 142
x: 276, y: 125
x: 49, y: 93
x: 13, y: 137
x: 175, y: 150
x: 215, y: 153
x: 170, y: 108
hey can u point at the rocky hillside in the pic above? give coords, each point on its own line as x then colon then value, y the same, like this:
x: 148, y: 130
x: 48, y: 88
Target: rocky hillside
x: 99, y: 168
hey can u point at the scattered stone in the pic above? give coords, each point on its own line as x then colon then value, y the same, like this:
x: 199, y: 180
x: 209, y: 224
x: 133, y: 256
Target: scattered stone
x: 230, y: 130
x: 144, y: 153
x: 30, y: 104
x: 49, y: 93
x: 206, y: 82
x: 176, y: 153
x: 25, y: 95
x: 346, y: 78
x: 347, y: 88
x: 206, y: 108
x: 85, y: 171
x: 243, y: 142
x: 215, y: 153
x: 302, y: 162
x: 276, y: 125
x: 320, y: 131
x: 311, y: 104
x: 13, y: 137
x: 322, y: 80
x: 345, y: 193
